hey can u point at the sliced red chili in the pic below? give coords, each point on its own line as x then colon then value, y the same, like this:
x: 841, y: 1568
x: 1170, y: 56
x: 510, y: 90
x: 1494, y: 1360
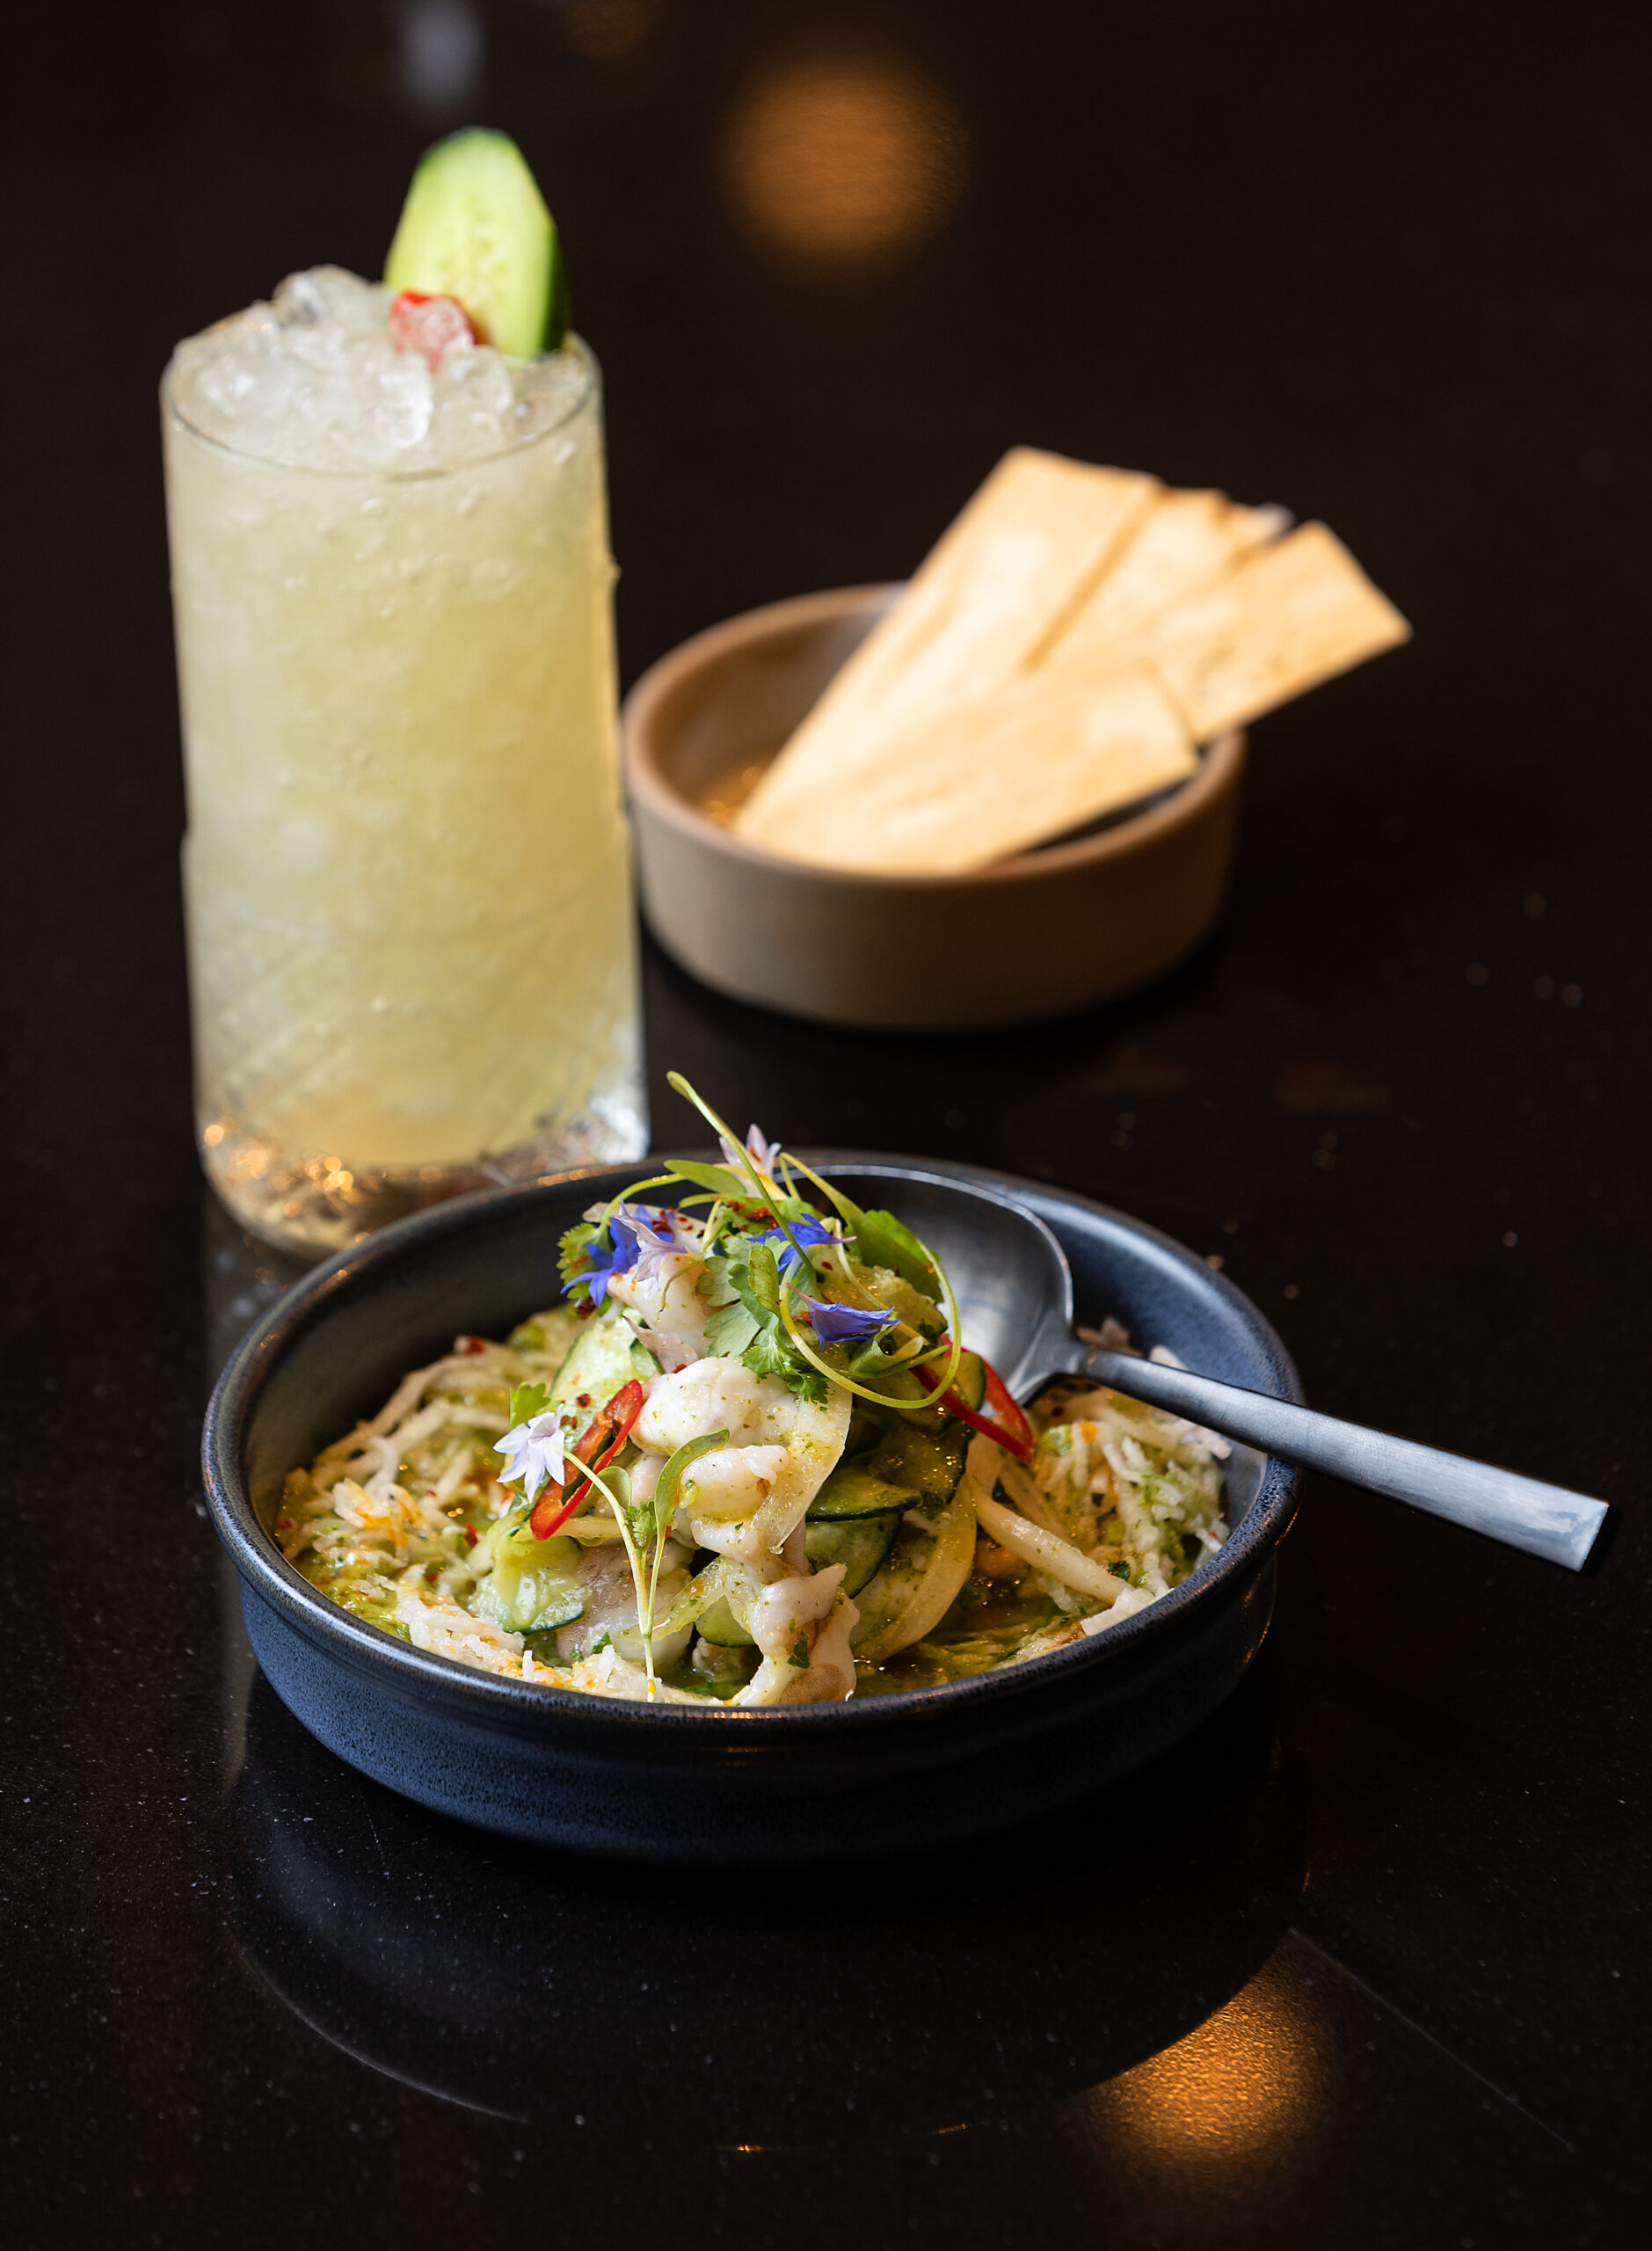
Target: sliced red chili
x: 611, y: 1425
x: 549, y: 1510
x: 610, y: 1428
x: 471, y: 1345
x: 998, y: 1418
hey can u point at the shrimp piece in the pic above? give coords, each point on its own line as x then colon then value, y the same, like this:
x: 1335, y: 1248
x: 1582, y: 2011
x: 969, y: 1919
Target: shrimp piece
x: 747, y: 1497
x: 665, y: 1306
x: 803, y: 1627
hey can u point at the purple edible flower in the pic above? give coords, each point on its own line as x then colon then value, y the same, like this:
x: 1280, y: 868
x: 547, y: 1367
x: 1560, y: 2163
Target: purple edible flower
x: 845, y: 1324
x: 593, y: 1279
x: 649, y: 1237
x: 796, y: 1233
x: 634, y: 1231
x: 763, y: 1155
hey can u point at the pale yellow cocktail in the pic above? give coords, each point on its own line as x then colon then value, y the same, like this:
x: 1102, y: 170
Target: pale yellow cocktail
x: 408, y: 898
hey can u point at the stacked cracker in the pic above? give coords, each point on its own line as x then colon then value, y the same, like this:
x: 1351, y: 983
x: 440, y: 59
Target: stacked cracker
x: 1074, y: 637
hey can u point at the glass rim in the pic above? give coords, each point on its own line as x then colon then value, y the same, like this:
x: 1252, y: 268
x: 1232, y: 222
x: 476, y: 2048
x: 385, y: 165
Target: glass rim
x: 585, y: 392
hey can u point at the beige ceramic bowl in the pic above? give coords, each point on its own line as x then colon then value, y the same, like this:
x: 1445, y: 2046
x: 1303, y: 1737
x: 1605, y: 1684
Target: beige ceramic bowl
x: 1051, y: 931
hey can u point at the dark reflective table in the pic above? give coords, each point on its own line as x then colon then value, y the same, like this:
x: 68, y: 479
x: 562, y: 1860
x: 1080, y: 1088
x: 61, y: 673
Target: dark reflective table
x: 1366, y: 1961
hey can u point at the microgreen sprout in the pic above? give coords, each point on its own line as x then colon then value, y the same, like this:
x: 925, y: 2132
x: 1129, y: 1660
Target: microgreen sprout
x: 535, y: 1456
x: 644, y: 1605
x: 761, y: 1181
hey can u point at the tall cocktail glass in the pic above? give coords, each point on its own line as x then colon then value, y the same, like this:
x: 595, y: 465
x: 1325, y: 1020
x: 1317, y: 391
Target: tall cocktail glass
x: 411, y: 929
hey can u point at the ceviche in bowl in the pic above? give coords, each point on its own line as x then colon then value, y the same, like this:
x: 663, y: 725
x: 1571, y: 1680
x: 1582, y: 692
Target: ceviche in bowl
x: 747, y: 1459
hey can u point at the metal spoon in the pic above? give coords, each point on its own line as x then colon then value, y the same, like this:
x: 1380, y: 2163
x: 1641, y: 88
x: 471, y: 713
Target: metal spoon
x: 1015, y: 1292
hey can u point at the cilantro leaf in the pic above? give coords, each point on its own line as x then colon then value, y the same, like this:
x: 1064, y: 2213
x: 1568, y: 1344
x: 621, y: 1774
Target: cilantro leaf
x: 575, y: 1244
x: 715, y: 1284
x: 526, y: 1400
x: 730, y: 1330
x: 771, y: 1352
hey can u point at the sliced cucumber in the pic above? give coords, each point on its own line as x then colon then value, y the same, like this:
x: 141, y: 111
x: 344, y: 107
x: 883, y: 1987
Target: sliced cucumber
x: 534, y: 1584
x: 891, y: 1587
x: 710, y: 1609
x: 860, y: 1488
x: 901, y: 1383
x: 474, y: 227
x: 934, y: 1463
x: 970, y: 1382
x: 907, y: 1468
x: 719, y: 1624
x: 605, y: 1356
x: 859, y: 1543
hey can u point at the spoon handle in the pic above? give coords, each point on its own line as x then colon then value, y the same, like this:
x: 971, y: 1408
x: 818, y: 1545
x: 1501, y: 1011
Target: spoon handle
x: 1544, y: 1520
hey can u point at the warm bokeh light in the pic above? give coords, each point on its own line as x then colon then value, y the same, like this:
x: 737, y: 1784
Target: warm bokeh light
x: 844, y: 160
x: 1243, y: 2079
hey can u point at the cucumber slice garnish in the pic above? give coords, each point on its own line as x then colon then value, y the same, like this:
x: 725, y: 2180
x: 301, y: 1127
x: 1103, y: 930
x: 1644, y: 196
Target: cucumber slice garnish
x: 719, y: 1624
x: 970, y: 1382
x: 860, y: 1488
x: 474, y: 227
x: 859, y: 1543
x: 907, y: 1468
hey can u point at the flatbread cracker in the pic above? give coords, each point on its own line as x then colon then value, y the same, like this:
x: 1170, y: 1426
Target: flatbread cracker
x: 1039, y: 753
x: 1022, y: 556
x: 1294, y: 615
x: 1185, y: 541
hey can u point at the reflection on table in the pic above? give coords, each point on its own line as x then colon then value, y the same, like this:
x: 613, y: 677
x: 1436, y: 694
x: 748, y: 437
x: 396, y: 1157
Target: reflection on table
x: 791, y: 2008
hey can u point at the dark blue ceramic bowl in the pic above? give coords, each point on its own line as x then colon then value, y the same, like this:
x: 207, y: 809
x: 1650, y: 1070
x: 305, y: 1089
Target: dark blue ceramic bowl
x: 822, y: 1781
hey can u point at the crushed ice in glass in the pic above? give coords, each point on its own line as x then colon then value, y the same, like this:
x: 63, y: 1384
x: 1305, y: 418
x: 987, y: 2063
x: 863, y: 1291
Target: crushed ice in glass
x: 312, y: 380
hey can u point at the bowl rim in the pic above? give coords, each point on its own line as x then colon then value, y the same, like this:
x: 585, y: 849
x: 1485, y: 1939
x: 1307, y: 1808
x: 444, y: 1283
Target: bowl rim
x: 1221, y: 762
x: 499, y: 1702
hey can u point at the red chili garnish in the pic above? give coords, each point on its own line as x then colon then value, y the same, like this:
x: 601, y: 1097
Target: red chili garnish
x: 610, y: 1428
x: 999, y: 1418
x: 471, y: 1345
x: 469, y: 1535
x: 548, y: 1512
x: 429, y: 326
